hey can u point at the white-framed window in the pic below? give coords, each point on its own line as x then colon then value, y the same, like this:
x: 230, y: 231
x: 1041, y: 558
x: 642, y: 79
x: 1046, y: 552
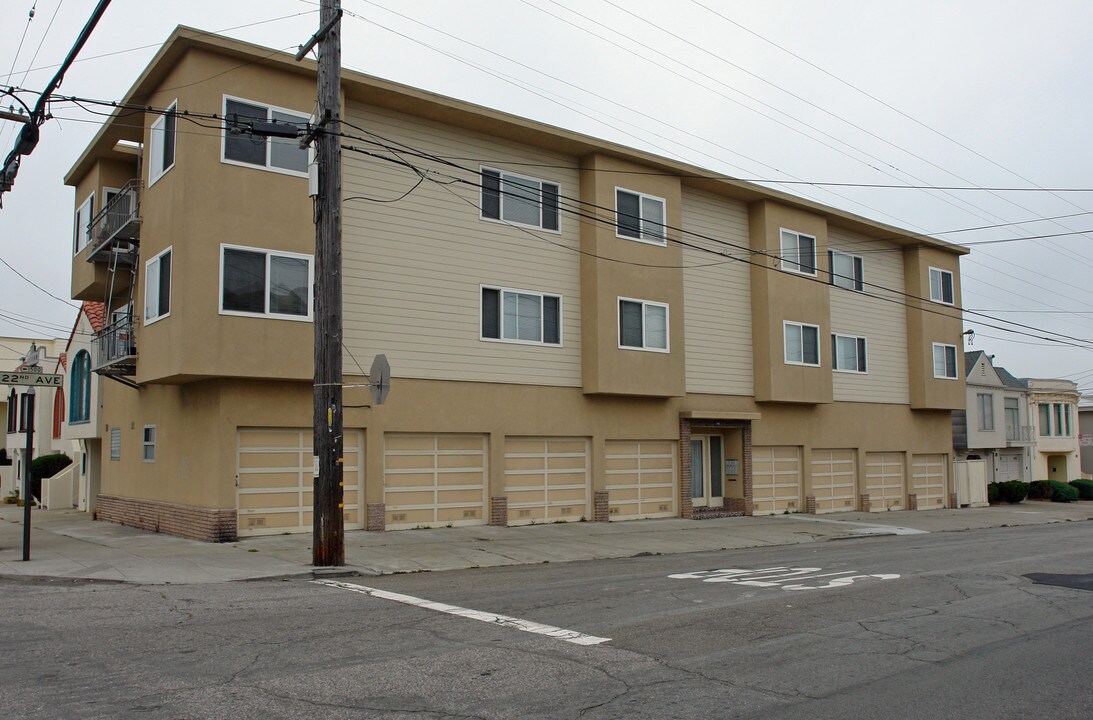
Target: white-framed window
x: 847, y: 271
x: 161, y: 144
x: 643, y: 325
x: 157, y: 287
x: 84, y: 213
x: 521, y: 316
x: 640, y: 217
x: 802, y: 343
x: 266, y: 283
x: 241, y: 147
x: 115, y: 443
x: 148, y: 445
x: 1055, y: 420
x: 944, y: 361
x: 798, y: 252
x: 848, y: 353
x: 985, y: 407
x: 941, y: 286
x: 519, y: 199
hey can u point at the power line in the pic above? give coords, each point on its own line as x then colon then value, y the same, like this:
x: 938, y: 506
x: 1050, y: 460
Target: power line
x: 47, y: 292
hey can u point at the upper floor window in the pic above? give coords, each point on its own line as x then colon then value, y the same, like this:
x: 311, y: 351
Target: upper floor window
x: 985, y: 407
x: 84, y: 213
x: 79, y: 386
x: 944, y: 361
x: 1055, y: 420
x: 157, y: 287
x: 265, y: 283
x: 148, y: 446
x: 26, y: 404
x: 847, y: 271
x: 848, y: 353
x: 941, y: 286
x: 640, y: 217
x: 519, y: 200
x: 13, y: 411
x: 802, y: 343
x: 1013, y: 417
x: 273, y: 153
x: 521, y: 316
x: 643, y: 325
x: 58, y: 411
x: 798, y: 252
x: 161, y: 145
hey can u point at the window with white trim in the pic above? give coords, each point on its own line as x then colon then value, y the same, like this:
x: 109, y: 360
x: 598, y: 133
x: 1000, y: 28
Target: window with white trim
x: 521, y: 316
x: 115, y: 443
x: 84, y: 213
x: 941, y: 286
x: 848, y: 353
x: 519, y: 199
x: 265, y: 283
x: 242, y: 147
x: 157, y: 287
x: 985, y: 407
x: 148, y: 446
x: 640, y: 217
x: 847, y: 271
x: 944, y: 361
x: 802, y: 343
x: 161, y: 144
x: 1055, y: 420
x: 643, y: 325
x: 798, y: 252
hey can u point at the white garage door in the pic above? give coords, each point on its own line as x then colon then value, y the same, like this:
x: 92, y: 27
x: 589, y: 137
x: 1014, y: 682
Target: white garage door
x: 928, y: 480
x: 884, y: 480
x: 547, y: 479
x: 275, y: 477
x: 434, y: 480
x: 775, y: 479
x: 641, y: 479
x: 1009, y: 467
x: 834, y: 480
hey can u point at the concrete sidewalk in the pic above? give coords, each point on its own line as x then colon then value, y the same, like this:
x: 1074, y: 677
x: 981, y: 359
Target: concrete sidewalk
x: 68, y: 544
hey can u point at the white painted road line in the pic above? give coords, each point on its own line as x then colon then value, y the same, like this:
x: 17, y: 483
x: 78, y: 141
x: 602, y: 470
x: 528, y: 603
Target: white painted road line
x: 776, y: 576
x: 526, y: 625
x: 862, y: 528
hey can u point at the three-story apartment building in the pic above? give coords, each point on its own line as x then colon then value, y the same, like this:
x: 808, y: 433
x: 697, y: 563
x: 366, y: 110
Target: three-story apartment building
x: 576, y: 329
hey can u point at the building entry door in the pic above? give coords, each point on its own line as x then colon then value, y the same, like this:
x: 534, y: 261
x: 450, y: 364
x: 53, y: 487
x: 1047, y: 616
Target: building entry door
x: 707, y: 466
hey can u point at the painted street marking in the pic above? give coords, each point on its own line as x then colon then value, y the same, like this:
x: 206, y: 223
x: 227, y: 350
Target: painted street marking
x: 779, y: 576
x: 526, y: 625
x: 863, y: 528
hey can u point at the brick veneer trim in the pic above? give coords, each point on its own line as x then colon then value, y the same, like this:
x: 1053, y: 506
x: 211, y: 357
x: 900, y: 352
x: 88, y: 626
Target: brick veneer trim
x: 499, y: 510
x: 195, y: 523
x: 601, y: 506
x: 376, y: 517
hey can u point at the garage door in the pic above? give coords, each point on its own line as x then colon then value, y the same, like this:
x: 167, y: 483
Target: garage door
x: 547, y: 479
x: 775, y: 479
x: 884, y: 480
x: 434, y: 480
x: 1009, y: 467
x: 641, y: 479
x: 928, y: 476
x: 275, y: 477
x: 834, y: 480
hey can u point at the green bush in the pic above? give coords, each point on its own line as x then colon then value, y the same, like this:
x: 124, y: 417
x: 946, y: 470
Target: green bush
x: 46, y: 466
x: 1039, y: 490
x: 1062, y: 492
x: 993, y: 492
x: 1084, y: 487
x: 1012, y: 491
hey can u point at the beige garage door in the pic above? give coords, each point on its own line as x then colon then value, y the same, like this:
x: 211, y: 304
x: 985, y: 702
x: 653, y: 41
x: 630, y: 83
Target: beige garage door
x: 641, y: 479
x: 775, y: 479
x: 884, y: 480
x: 547, y: 479
x: 434, y: 480
x: 1009, y: 467
x: 834, y: 479
x: 928, y: 476
x: 275, y: 477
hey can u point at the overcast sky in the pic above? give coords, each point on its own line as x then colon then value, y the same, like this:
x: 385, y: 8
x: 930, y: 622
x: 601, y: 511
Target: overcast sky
x: 991, y: 94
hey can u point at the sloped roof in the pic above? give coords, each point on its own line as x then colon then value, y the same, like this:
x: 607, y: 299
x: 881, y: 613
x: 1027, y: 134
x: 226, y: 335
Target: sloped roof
x: 96, y: 314
x: 1009, y: 380
x: 971, y: 360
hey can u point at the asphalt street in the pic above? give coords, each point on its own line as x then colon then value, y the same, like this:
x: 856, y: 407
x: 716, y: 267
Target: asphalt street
x: 937, y: 625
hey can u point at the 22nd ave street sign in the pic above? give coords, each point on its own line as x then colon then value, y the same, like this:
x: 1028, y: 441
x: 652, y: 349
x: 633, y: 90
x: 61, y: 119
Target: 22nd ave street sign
x: 37, y: 379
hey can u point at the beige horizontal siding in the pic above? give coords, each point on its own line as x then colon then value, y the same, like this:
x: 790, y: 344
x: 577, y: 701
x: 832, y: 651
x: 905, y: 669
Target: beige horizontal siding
x: 882, y: 323
x: 413, y: 268
x: 717, y: 296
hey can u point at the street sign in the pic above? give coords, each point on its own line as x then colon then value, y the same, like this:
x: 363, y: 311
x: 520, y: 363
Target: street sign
x: 35, y: 379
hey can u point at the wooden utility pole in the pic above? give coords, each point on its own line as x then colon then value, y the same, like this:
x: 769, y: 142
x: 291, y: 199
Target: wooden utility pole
x: 328, y: 547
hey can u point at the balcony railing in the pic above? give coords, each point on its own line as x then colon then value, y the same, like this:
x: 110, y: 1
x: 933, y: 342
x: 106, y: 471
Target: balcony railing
x: 116, y: 348
x: 119, y: 220
x: 1021, y: 435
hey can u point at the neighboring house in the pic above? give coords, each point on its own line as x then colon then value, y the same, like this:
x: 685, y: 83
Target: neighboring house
x: 16, y: 405
x: 79, y: 406
x: 1085, y: 437
x: 1054, y: 409
x: 685, y: 345
x: 995, y: 426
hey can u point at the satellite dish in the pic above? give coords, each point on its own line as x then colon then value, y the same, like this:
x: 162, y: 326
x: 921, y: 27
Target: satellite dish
x: 379, y: 379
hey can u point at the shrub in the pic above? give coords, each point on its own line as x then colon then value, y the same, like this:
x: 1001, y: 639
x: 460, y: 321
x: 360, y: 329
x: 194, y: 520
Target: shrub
x: 46, y: 466
x: 1085, y: 488
x: 1039, y: 490
x: 993, y: 492
x: 1061, y: 492
x: 1012, y: 491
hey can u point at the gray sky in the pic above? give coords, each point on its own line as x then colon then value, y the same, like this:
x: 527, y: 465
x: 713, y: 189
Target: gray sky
x: 990, y: 94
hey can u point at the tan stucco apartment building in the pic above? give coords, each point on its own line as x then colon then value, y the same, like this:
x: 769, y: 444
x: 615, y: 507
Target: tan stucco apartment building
x: 576, y: 330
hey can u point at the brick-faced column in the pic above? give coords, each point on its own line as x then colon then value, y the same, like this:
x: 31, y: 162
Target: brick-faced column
x: 746, y: 470
x: 953, y: 501
x: 376, y: 518
x: 735, y: 505
x: 912, y: 501
x: 499, y: 511
x: 810, y: 504
x: 601, y: 507
x: 863, y: 502
x: 686, y: 501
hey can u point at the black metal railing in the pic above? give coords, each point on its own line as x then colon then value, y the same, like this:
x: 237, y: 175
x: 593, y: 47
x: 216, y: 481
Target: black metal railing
x: 115, y: 347
x: 119, y: 220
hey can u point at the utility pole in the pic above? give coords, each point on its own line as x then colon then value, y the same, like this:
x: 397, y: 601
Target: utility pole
x: 28, y: 496
x: 328, y: 546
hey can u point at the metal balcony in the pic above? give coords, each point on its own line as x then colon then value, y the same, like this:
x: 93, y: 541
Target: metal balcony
x: 115, y: 348
x: 118, y: 221
x: 1020, y: 436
